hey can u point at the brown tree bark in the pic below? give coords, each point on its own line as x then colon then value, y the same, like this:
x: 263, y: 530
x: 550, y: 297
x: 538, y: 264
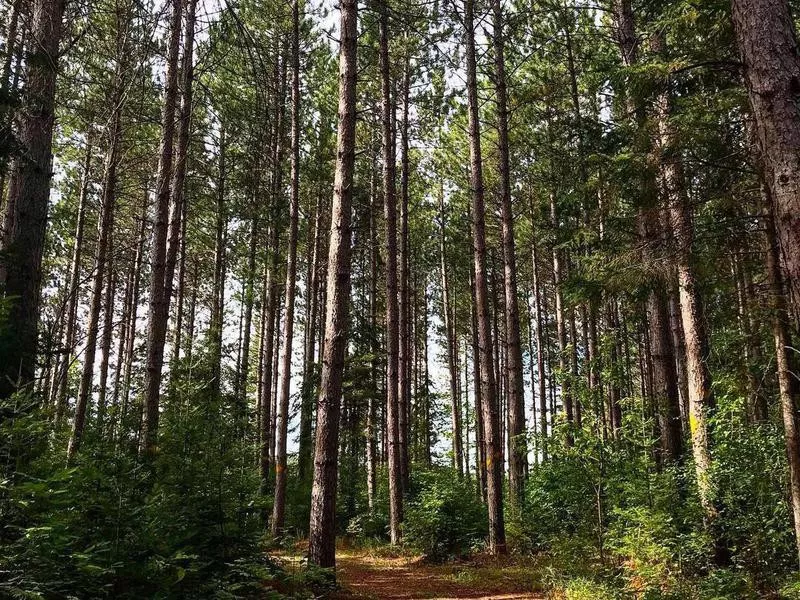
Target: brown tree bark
x: 158, y: 307
x: 322, y: 529
x: 450, y: 342
x: 309, y: 362
x: 395, y: 374
x: 134, y: 313
x: 27, y: 200
x: 405, y: 322
x: 767, y: 41
x: 518, y: 456
x: 540, y: 350
x: 218, y: 289
x: 494, y: 448
x: 374, y: 399
x: 788, y: 385
x: 248, y: 301
x: 650, y: 230
x: 480, y: 440
x: 105, y: 226
x: 279, y: 507
x: 698, y: 376
x: 105, y: 343
x: 72, y: 302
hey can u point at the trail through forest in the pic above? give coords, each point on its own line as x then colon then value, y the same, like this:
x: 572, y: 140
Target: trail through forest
x: 408, y: 578
x: 367, y: 574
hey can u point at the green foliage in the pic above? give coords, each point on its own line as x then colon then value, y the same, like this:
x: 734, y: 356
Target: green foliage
x: 444, y: 517
x: 183, y: 526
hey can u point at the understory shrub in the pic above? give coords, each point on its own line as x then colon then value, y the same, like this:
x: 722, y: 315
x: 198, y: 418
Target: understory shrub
x: 444, y: 517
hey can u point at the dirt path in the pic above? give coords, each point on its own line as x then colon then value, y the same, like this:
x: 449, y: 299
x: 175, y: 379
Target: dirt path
x: 408, y: 578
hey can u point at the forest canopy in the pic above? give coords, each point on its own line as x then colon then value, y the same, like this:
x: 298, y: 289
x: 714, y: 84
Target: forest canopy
x: 509, y: 288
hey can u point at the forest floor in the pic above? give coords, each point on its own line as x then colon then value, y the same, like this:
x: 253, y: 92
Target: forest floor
x: 382, y: 574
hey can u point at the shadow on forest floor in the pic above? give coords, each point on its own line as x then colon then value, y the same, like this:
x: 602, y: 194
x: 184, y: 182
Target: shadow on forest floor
x: 380, y: 575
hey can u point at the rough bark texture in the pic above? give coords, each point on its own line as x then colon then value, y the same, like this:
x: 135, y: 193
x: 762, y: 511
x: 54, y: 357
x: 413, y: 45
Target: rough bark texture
x: 698, y: 376
x: 105, y: 225
x: 518, y: 455
x: 72, y: 291
x: 406, y: 348
x: 322, y: 529
x: 394, y: 304
x: 28, y: 195
x: 490, y: 417
x: 786, y: 364
x: 452, y: 347
x: 279, y: 507
x: 540, y: 350
x: 218, y: 288
x: 664, y: 387
x: 767, y: 43
x: 158, y: 308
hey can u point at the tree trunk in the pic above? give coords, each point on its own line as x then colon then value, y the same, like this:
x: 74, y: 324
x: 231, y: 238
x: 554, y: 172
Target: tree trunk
x: 322, y: 529
x: 158, y: 307
x: 309, y: 363
x: 452, y: 349
x: 701, y: 398
x: 786, y: 363
x: 105, y: 226
x: 72, y: 303
x: 664, y: 370
x: 765, y: 34
x: 494, y: 449
x: 105, y: 344
x: 249, y: 299
x: 518, y: 456
x: 279, y: 508
x: 131, y: 325
x: 374, y: 397
x: 28, y: 196
x: 406, y: 348
x: 394, y: 302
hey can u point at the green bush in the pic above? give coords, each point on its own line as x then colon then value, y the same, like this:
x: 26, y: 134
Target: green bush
x: 184, y: 525
x: 444, y: 518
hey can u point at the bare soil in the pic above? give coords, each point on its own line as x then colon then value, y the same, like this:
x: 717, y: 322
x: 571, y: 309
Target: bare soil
x: 363, y: 575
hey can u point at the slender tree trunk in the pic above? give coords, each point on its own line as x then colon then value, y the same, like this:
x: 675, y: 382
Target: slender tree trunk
x: 701, y: 398
x: 406, y: 348
x: 218, y: 301
x: 664, y: 370
x: 105, y: 227
x: 105, y: 345
x: 518, y: 455
x: 374, y: 398
x: 249, y: 299
x: 28, y: 195
x: 678, y: 343
x: 158, y: 307
x: 450, y: 342
x: 279, y: 508
x: 480, y: 439
x: 394, y: 301
x: 268, y: 350
x: 72, y: 303
x: 561, y: 329
x: 494, y: 448
x: 309, y: 371
x: 322, y: 530
x: 177, y: 338
x: 788, y: 384
x: 137, y: 280
x: 122, y: 342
